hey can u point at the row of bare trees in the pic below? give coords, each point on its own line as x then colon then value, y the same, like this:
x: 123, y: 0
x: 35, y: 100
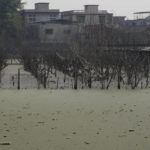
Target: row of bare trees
x: 123, y: 69
x: 98, y: 56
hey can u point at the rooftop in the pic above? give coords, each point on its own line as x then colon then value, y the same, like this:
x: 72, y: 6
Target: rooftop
x: 144, y: 12
x: 83, y: 11
x: 41, y: 11
x: 41, y: 8
x: 42, y: 3
x: 91, y: 5
x: 55, y: 21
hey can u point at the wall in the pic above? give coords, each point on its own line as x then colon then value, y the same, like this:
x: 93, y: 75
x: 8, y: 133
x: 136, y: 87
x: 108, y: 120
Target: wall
x: 42, y: 6
x: 37, y: 16
x: 91, y: 9
x: 61, y: 32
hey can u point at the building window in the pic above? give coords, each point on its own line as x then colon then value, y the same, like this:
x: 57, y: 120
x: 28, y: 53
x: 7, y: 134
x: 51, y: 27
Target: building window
x: 102, y: 19
x: 80, y: 19
x: 32, y: 15
x: 49, y: 31
x: 32, y: 18
x: 52, y: 16
x: 67, y: 31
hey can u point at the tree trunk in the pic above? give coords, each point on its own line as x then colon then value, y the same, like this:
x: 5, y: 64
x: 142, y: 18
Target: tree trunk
x: 18, y: 79
x: 75, y: 81
x: 45, y: 80
x: 90, y: 82
x: 119, y: 78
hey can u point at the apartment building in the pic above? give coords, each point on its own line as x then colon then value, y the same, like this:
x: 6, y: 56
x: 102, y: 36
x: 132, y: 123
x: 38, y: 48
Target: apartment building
x: 41, y: 12
x: 60, y: 27
x: 90, y: 15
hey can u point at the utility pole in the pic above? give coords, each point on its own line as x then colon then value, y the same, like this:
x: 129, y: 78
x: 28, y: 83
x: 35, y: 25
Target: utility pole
x: 18, y: 79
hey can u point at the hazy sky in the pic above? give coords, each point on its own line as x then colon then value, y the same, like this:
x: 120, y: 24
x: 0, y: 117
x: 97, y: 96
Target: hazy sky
x: 118, y: 7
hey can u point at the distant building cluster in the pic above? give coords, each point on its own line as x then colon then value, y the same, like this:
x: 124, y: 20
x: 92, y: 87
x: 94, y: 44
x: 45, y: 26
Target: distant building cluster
x: 55, y: 26
x: 141, y: 19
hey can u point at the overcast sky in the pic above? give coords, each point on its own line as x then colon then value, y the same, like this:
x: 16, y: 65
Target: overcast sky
x: 118, y: 7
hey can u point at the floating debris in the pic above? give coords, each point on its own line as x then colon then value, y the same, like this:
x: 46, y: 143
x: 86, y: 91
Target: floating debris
x: 4, y: 136
x: 74, y: 133
x: 41, y: 122
x: 7, y: 130
x: 131, y: 130
x: 4, y: 143
x: 29, y: 114
x: 19, y: 117
x: 87, y: 143
x: 131, y: 110
x: 120, y: 136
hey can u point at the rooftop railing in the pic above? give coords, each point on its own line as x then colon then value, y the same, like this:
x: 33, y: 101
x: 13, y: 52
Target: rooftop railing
x: 83, y: 11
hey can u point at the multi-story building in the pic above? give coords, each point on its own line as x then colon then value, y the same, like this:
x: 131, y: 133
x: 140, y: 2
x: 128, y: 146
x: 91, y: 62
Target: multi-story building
x: 56, y: 31
x: 40, y: 13
x: 54, y: 26
x: 90, y: 15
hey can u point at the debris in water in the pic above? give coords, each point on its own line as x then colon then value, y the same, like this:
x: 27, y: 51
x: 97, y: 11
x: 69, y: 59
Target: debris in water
x: 19, y: 117
x: 131, y: 130
x: 131, y: 110
x: 41, y: 122
x: 4, y: 143
x: 120, y: 136
x: 74, y: 133
x: 86, y: 143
